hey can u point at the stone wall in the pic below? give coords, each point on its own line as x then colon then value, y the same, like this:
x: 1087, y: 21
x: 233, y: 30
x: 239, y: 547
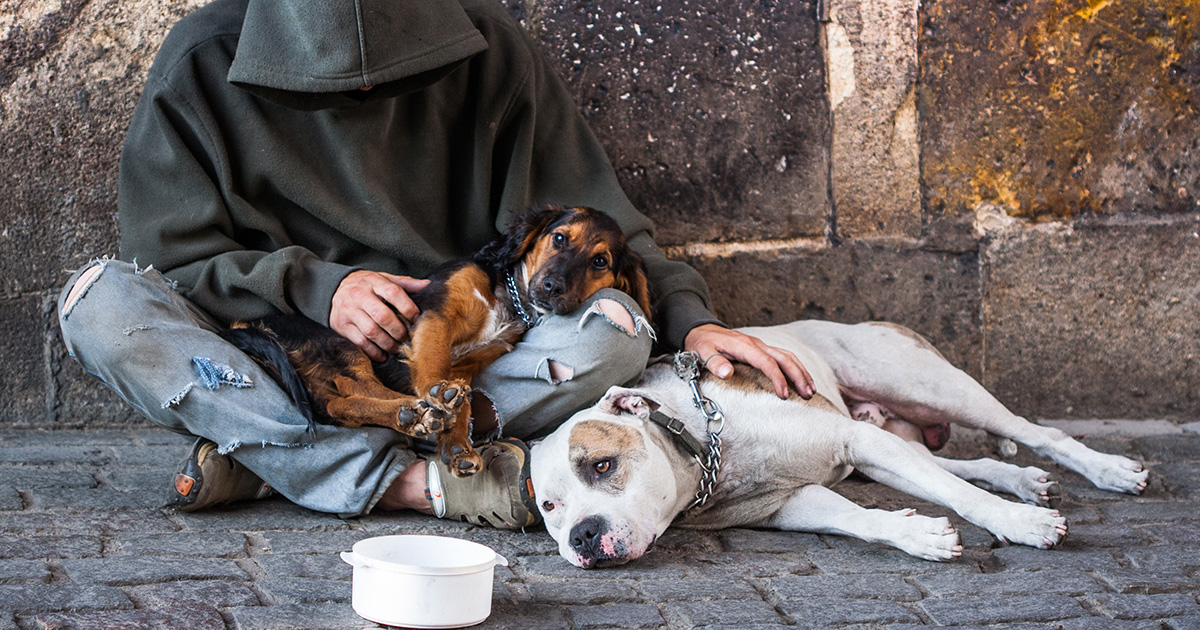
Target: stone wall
x: 1016, y: 180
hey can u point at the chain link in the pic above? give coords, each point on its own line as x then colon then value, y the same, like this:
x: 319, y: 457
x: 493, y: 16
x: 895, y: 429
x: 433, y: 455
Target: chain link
x: 687, y: 367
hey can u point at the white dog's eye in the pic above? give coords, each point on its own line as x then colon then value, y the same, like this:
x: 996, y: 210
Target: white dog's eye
x: 548, y: 506
x: 602, y: 466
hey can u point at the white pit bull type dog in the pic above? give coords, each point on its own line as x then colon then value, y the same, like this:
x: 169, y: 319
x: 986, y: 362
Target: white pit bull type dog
x: 611, y: 479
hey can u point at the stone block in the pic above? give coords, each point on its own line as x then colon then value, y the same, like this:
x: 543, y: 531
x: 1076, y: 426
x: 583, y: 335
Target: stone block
x: 723, y: 565
x: 651, y: 566
x: 876, y: 559
x: 871, y: 58
x: 192, y: 617
x: 126, y: 570
x: 994, y: 610
x: 936, y: 294
x: 267, y: 514
x: 93, y: 499
x: 1057, y: 109
x: 1020, y: 558
x: 1135, y: 606
x: 713, y: 111
x: 616, y: 616
x: 590, y: 592
x: 1062, y: 582
x: 210, y: 544
x: 1148, y: 581
x: 19, y: 571
x: 766, y: 541
x: 50, y: 546
x: 324, y: 566
x: 26, y: 598
x: 1095, y: 320
x: 306, y: 590
x: 729, y: 612
x: 289, y: 617
x: 219, y: 593
x: 805, y: 587
x: 1171, y: 449
x: 24, y: 387
x: 829, y: 612
x: 698, y: 589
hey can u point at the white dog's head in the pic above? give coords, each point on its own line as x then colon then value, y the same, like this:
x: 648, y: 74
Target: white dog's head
x: 605, y: 484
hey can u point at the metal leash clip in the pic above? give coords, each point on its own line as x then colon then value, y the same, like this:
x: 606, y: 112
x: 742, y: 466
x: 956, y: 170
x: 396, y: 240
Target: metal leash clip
x: 687, y: 367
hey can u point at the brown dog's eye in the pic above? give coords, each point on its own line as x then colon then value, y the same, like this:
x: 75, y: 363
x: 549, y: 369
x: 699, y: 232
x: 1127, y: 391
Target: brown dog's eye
x: 548, y: 506
x: 559, y: 239
x: 602, y: 466
x: 600, y: 263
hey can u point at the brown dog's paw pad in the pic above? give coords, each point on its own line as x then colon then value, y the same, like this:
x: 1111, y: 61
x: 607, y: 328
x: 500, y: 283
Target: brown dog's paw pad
x: 447, y: 396
x: 462, y: 462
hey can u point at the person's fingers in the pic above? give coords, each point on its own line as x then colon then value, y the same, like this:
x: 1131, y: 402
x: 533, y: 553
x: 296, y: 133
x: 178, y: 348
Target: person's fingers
x: 758, y: 357
x: 719, y: 365
x: 794, y: 370
x: 352, y: 333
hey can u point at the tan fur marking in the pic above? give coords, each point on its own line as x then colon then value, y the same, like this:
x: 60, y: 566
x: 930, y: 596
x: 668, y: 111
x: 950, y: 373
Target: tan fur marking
x: 594, y: 440
x: 921, y: 342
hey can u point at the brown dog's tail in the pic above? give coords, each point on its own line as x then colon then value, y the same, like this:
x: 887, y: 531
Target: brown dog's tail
x: 268, y: 353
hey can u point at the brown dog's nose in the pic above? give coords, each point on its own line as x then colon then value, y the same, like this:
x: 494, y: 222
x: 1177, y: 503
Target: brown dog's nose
x: 553, y: 286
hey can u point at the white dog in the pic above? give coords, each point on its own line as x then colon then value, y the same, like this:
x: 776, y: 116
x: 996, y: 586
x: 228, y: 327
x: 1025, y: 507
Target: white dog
x: 612, y: 478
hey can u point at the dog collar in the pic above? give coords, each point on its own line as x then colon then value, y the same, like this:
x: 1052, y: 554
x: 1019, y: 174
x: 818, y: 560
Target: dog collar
x: 687, y: 367
x: 515, y: 296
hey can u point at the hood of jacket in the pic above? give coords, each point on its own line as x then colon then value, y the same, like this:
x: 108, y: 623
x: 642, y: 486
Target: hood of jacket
x: 314, y: 54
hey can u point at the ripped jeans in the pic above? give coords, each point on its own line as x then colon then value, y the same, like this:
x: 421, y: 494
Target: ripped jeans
x: 161, y: 353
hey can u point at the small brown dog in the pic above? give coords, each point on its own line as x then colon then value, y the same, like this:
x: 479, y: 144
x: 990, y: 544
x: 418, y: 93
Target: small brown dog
x: 472, y: 312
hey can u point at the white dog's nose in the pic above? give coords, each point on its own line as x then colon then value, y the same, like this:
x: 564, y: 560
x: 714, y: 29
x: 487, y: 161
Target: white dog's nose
x: 585, y: 536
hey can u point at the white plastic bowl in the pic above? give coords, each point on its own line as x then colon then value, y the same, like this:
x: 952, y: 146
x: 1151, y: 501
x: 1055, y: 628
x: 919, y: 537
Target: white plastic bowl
x: 422, y: 581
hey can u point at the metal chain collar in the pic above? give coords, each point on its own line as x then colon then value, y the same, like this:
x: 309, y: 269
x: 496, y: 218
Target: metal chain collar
x: 687, y: 367
x: 516, y: 300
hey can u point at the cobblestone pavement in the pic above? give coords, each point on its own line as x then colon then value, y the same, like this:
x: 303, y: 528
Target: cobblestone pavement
x: 84, y: 543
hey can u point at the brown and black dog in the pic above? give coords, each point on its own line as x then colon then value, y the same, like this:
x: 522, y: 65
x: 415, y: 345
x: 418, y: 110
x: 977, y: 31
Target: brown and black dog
x: 472, y: 312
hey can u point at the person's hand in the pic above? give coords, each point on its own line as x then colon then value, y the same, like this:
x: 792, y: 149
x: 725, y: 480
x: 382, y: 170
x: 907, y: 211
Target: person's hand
x: 361, y: 313
x: 717, y: 345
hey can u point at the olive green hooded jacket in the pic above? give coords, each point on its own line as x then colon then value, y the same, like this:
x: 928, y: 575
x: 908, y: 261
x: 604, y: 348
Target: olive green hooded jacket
x: 257, y: 174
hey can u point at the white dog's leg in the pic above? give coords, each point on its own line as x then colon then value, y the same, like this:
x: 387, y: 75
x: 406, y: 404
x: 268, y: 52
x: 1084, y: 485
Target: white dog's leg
x: 890, y: 460
x: 819, y: 510
x: 896, y: 367
x: 1030, y: 484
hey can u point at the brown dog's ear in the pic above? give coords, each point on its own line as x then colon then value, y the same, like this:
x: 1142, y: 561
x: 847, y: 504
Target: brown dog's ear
x: 631, y: 280
x: 512, y: 246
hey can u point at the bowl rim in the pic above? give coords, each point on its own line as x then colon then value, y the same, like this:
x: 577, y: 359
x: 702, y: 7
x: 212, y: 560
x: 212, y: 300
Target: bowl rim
x: 362, y: 558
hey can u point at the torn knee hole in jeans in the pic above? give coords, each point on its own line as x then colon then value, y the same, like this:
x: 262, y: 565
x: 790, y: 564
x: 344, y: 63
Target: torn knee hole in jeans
x: 618, y: 315
x: 554, y: 372
x: 82, y: 284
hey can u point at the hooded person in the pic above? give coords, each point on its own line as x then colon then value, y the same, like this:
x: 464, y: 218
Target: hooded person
x: 314, y: 157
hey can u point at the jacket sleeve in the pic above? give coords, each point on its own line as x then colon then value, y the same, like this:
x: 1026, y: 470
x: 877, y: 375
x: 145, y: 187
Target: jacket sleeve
x: 173, y: 215
x: 564, y: 163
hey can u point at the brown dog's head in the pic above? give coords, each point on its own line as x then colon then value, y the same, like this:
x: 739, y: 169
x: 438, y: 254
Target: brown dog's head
x: 567, y: 254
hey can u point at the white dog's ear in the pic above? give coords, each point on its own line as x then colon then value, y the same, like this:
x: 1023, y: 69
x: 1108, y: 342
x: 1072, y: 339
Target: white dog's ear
x: 620, y: 400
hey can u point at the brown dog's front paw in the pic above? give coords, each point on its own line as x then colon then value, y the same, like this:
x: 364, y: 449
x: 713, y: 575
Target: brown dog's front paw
x: 462, y: 460
x: 448, y: 396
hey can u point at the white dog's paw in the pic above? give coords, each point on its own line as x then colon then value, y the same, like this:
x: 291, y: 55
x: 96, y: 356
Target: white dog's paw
x: 925, y: 537
x: 1116, y: 473
x: 1034, y: 485
x: 1028, y: 525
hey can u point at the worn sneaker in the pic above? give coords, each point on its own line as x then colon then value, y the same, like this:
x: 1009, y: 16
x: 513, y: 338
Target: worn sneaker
x: 207, y: 478
x: 499, y: 495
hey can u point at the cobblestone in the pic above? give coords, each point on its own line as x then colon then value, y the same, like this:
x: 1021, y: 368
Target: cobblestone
x: 86, y: 544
